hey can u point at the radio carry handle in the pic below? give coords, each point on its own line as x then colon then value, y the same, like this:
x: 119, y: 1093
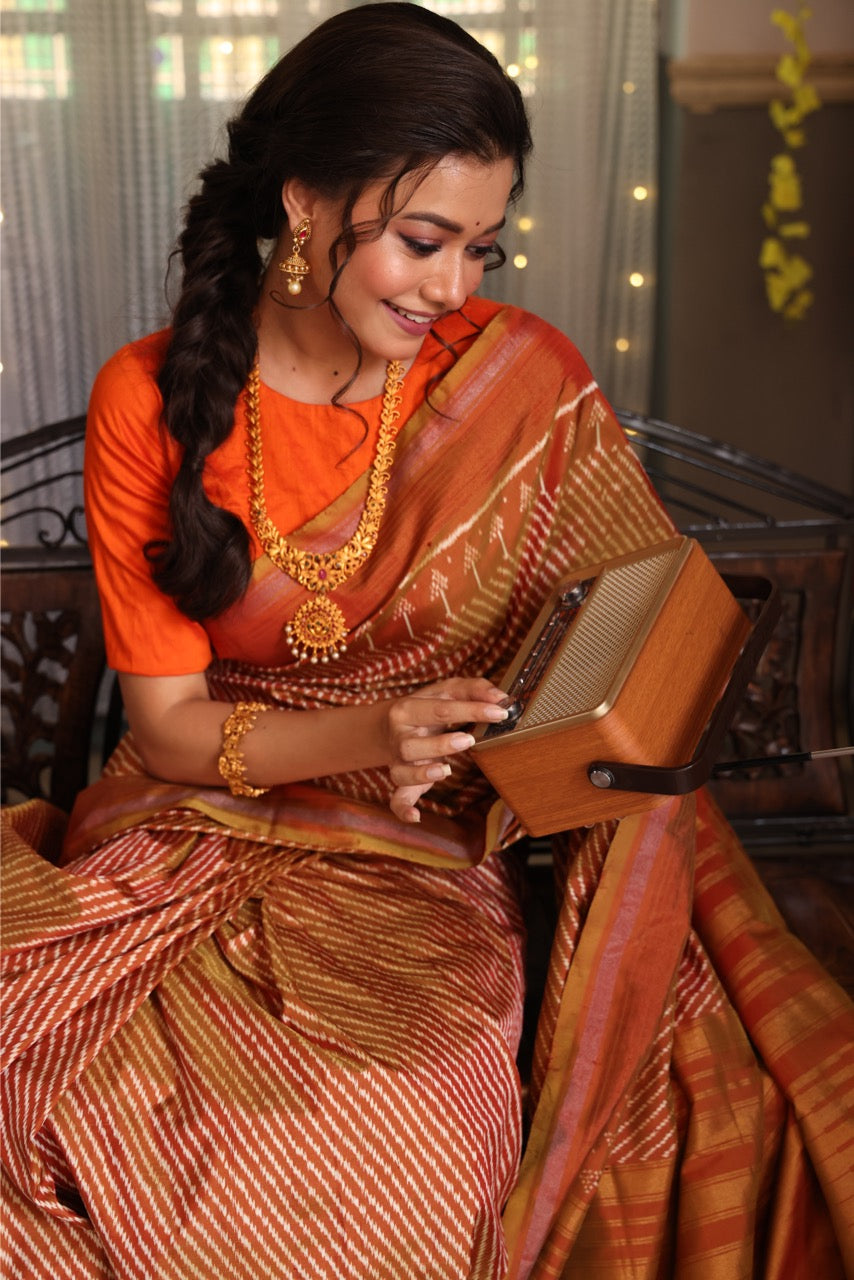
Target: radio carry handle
x: 681, y: 779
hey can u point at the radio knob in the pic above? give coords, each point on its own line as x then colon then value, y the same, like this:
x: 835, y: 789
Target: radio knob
x: 514, y: 713
x: 574, y: 596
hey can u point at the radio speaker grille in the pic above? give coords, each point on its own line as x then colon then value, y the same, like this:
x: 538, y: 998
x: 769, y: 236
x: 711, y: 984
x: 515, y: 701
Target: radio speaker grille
x: 600, y: 639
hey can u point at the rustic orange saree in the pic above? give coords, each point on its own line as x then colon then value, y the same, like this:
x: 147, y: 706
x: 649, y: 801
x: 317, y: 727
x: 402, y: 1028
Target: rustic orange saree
x: 276, y: 1037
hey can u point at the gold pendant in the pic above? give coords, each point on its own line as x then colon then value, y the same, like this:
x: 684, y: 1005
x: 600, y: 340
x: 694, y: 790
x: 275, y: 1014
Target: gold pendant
x: 317, y: 631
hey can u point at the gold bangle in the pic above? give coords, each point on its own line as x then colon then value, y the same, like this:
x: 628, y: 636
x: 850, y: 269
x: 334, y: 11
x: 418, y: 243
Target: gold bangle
x: 230, y: 764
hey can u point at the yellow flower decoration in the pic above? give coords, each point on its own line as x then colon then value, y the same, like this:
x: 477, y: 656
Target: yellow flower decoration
x: 787, y: 274
x: 785, y: 185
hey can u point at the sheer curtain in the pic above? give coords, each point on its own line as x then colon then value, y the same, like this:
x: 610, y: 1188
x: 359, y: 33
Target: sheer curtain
x: 110, y: 107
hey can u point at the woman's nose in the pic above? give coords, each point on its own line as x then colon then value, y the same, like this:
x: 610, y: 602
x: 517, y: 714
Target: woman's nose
x: 447, y: 284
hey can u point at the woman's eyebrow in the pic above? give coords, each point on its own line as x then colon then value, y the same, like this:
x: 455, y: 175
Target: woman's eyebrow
x: 445, y: 223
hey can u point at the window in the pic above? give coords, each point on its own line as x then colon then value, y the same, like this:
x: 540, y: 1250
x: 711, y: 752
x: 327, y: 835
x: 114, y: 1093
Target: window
x: 34, y: 56
x: 507, y: 29
x: 228, y: 68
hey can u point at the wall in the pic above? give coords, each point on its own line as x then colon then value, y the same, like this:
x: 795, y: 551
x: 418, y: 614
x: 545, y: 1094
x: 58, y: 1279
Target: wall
x: 729, y: 366
x: 726, y: 26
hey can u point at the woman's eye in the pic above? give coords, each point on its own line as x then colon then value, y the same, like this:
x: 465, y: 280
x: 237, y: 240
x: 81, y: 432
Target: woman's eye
x: 422, y: 247
x: 425, y: 248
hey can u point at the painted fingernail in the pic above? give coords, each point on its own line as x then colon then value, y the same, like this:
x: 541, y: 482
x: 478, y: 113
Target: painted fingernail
x: 462, y: 741
x: 436, y: 771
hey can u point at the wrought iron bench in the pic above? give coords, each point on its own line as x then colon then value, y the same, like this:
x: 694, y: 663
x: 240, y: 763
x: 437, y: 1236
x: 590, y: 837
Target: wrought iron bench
x: 61, y: 712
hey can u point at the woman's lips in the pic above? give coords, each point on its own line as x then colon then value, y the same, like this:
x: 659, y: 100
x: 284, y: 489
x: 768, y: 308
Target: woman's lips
x: 411, y: 322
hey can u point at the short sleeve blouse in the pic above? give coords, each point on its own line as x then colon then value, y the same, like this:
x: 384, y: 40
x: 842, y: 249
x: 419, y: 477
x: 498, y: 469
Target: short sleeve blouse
x: 312, y: 454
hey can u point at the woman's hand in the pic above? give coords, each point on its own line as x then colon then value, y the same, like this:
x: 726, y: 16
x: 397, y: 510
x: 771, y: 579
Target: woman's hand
x: 425, y: 734
x: 177, y: 728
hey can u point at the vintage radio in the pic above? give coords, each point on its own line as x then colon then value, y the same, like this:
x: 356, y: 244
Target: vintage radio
x: 623, y: 689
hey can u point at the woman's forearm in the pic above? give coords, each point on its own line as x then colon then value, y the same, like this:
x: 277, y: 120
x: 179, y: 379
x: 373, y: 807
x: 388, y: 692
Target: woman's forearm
x: 181, y: 741
x: 178, y: 730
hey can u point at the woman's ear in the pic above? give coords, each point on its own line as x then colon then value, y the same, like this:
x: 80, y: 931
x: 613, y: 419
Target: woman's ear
x: 298, y: 200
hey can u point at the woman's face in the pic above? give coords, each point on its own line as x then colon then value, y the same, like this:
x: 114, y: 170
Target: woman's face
x: 428, y: 259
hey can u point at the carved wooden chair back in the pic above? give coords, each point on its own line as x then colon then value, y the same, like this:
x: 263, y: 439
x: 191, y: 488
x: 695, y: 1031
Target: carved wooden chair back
x: 52, y: 647
x: 754, y: 517
x: 53, y: 664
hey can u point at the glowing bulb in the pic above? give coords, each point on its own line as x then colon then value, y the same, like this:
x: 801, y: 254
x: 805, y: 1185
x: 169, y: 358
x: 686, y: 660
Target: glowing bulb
x: 513, y: 70
x: 629, y: 86
x: 225, y: 46
x: 636, y: 279
x: 525, y: 223
x: 640, y: 193
x: 622, y: 344
x: 520, y: 261
x: 532, y: 62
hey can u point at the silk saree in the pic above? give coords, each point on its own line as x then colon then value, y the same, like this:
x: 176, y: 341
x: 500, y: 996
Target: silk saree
x: 277, y: 1036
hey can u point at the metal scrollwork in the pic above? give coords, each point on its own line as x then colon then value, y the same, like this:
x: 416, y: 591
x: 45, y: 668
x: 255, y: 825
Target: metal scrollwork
x: 42, y: 496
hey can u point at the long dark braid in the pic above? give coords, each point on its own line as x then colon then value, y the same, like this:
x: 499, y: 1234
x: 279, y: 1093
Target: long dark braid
x: 354, y: 102
x: 206, y: 565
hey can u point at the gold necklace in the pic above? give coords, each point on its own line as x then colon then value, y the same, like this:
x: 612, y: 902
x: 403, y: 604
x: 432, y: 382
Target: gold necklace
x: 319, y: 629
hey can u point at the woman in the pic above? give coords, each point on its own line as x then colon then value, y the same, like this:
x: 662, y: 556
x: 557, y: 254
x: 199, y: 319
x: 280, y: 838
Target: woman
x: 263, y: 1021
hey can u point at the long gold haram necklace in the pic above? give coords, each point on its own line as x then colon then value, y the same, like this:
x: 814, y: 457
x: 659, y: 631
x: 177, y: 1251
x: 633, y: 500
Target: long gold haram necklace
x: 319, y: 629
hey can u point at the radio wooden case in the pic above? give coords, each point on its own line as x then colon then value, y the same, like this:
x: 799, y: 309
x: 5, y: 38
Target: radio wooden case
x: 625, y: 662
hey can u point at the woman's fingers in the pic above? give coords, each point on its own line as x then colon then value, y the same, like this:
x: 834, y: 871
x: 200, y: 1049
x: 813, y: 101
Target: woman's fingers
x: 441, y: 712
x: 404, y: 802
x: 420, y: 717
x: 466, y: 688
x: 425, y: 730
x: 411, y: 749
x: 420, y: 773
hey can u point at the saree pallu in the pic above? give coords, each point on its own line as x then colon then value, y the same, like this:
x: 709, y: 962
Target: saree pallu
x: 276, y: 1037
x: 692, y: 1079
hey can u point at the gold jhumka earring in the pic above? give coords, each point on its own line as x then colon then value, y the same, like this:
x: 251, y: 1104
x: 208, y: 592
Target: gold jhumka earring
x: 295, y: 267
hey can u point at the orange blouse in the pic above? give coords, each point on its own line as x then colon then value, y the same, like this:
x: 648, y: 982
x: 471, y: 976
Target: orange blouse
x: 312, y: 454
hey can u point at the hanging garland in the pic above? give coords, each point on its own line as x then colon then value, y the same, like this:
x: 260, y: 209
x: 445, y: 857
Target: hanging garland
x: 787, y: 273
